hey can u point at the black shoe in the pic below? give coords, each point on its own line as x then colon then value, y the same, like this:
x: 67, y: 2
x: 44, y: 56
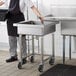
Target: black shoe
x: 24, y: 61
x: 12, y: 59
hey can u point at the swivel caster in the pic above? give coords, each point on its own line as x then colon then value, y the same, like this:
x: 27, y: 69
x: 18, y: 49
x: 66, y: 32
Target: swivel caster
x: 19, y: 65
x: 51, y: 61
x: 32, y: 59
x: 24, y: 61
x: 40, y: 69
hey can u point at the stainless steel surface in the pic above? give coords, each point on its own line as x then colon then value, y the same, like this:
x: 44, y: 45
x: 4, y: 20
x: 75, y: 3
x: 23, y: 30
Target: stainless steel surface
x: 42, y: 51
x: 53, y: 47
x: 36, y: 27
x: 68, y: 27
x: 70, y: 48
x: 20, y: 47
x: 33, y: 46
x: 28, y: 45
x: 68, y: 24
x: 63, y: 49
x: 62, y: 18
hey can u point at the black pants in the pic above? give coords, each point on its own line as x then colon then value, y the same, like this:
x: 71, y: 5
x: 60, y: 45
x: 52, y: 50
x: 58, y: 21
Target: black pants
x: 12, y: 30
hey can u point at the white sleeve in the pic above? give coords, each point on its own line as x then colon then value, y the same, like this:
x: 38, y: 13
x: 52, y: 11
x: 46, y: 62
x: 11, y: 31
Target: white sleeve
x: 29, y: 3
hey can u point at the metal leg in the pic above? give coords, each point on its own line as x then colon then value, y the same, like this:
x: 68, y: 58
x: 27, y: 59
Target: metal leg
x: 42, y: 49
x: 42, y: 53
x: 32, y: 57
x: 20, y: 59
x: 63, y: 49
x: 53, y: 50
x: 28, y: 46
x: 38, y: 45
x: 20, y: 42
x: 52, y: 59
x: 33, y: 45
x: 70, y: 48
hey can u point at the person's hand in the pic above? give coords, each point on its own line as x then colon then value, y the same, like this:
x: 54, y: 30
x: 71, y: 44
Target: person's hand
x: 42, y: 19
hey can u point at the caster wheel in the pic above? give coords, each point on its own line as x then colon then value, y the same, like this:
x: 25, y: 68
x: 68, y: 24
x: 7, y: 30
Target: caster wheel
x: 51, y: 61
x: 24, y: 61
x: 32, y: 59
x: 19, y: 65
x: 40, y: 69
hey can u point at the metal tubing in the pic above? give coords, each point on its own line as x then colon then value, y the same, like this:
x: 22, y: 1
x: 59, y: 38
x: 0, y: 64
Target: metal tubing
x: 70, y: 47
x: 28, y: 46
x: 33, y: 45
x: 38, y: 46
x: 63, y: 49
x: 42, y: 50
x: 53, y: 50
x: 20, y: 44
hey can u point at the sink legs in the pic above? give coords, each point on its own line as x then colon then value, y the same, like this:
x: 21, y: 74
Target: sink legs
x: 64, y: 48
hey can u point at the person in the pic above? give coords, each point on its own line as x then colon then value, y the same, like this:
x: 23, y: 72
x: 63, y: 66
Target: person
x: 16, y: 14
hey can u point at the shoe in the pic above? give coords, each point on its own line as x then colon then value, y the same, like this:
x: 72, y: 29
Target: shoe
x: 12, y: 59
x: 24, y: 61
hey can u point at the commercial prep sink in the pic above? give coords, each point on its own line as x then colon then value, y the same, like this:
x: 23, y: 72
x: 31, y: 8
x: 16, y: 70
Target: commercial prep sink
x: 68, y: 28
x: 36, y: 28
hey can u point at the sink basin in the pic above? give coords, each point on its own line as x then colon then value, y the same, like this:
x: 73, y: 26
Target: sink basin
x: 68, y: 27
x: 68, y: 24
x: 35, y: 27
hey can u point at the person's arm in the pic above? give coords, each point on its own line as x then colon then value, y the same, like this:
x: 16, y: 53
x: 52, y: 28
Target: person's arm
x: 1, y: 3
x: 30, y: 4
x: 36, y: 11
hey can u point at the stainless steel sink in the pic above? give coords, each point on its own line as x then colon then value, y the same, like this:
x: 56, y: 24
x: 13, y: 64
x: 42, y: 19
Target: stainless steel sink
x: 68, y: 24
x: 35, y: 27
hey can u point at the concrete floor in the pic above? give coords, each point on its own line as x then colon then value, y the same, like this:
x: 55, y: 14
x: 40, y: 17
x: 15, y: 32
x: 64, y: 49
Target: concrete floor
x: 29, y: 69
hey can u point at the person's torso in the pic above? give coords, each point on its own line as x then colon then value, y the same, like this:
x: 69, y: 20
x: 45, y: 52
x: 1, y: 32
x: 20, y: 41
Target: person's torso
x: 14, y: 7
x: 22, y: 4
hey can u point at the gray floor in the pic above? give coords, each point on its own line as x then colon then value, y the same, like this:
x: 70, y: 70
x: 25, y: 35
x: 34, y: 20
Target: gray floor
x: 29, y: 69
